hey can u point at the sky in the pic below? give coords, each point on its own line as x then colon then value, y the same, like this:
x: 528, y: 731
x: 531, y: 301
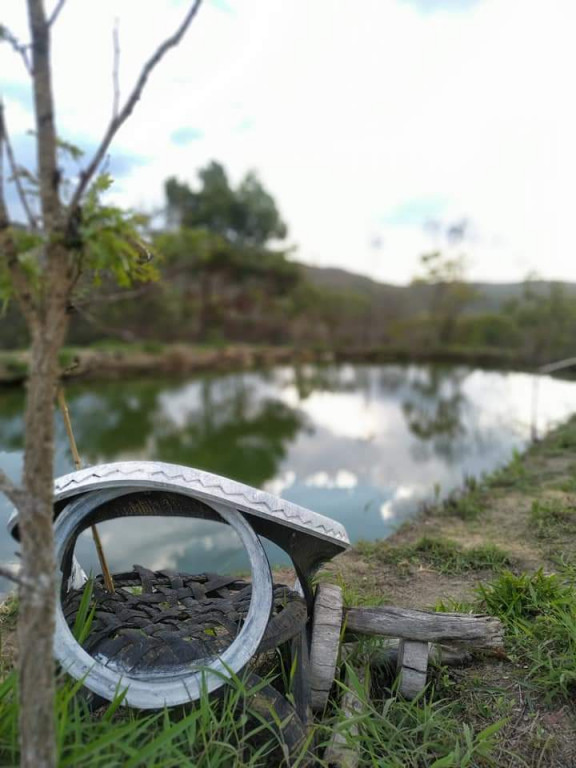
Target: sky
x: 376, y: 124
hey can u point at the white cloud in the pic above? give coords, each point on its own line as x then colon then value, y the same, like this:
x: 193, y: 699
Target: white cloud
x: 350, y: 111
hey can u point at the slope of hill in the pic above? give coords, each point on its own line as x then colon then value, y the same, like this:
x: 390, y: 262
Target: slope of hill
x: 491, y: 297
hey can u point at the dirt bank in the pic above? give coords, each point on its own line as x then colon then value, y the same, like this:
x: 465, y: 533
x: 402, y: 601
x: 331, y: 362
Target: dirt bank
x: 114, y: 360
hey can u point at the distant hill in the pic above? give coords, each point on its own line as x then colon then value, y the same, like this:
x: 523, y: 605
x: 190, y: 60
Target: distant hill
x: 409, y: 298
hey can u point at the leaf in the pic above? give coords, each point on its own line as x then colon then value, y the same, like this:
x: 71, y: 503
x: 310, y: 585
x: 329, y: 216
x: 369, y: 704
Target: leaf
x: 70, y: 149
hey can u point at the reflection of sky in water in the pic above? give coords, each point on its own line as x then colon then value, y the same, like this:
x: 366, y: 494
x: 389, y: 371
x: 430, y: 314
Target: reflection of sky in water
x: 362, y: 444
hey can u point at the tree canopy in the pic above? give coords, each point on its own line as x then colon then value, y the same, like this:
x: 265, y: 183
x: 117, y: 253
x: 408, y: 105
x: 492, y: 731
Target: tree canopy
x: 246, y: 215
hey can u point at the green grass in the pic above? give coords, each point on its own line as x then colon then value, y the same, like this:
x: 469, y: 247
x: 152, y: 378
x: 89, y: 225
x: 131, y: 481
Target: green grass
x: 514, y: 475
x: 539, y: 615
x: 15, y: 366
x: 395, y: 733
x: 443, y: 555
x: 466, y: 507
x: 549, y: 519
x: 228, y: 731
x: 561, y: 440
x: 9, y: 612
x: 568, y: 485
x: 8, y: 619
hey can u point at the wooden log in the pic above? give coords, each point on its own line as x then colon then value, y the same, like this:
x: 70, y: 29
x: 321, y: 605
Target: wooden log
x: 412, y: 668
x: 326, y: 629
x: 479, y: 631
x: 448, y: 655
x: 340, y: 753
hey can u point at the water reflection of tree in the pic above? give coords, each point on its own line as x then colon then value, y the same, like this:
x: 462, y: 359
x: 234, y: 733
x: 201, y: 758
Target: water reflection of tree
x: 222, y: 424
x: 249, y: 446
x: 11, y: 420
x: 435, y: 408
x: 309, y: 379
x: 115, y: 419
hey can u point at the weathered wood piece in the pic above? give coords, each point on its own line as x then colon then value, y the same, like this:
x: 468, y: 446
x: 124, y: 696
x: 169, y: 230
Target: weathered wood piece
x: 479, y: 631
x: 448, y: 655
x: 340, y: 752
x: 412, y: 668
x: 326, y: 629
x: 301, y: 680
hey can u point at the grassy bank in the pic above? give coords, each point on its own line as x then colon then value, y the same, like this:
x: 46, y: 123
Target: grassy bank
x: 112, y: 360
x: 505, y: 546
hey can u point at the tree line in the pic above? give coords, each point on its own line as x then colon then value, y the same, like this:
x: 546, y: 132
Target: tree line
x: 227, y: 274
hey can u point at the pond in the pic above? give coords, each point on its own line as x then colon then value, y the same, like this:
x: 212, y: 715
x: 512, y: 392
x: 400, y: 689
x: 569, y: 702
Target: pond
x: 365, y: 445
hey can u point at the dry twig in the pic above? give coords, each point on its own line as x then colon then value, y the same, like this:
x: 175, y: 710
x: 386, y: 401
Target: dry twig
x: 130, y: 103
x: 4, y: 137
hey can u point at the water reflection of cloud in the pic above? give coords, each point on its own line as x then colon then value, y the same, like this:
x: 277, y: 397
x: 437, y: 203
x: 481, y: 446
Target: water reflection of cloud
x: 332, y: 438
x: 346, y: 415
x: 281, y: 483
x: 342, y: 479
x: 157, y: 543
x: 388, y: 508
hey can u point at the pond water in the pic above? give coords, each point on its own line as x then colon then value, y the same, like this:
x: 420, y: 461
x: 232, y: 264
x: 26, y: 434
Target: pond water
x: 365, y: 445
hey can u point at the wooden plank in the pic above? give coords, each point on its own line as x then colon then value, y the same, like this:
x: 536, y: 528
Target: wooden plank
x: 412, y: 668
x: 340, y: 753
x: 326, y: 629
x: 478, y: 631
x: 301, y: 680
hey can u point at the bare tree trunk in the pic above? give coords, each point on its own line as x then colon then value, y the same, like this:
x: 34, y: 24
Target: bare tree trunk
x: 44, y: 303
x: 36, y: 617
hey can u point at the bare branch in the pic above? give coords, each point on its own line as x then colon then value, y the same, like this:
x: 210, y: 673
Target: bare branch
x: 128, y: 107
x: 56, y: 12
x: 20, y: 48
x: 11, y: 491
x: 122, y: 333
x: 48, y: 173
x: 17, y: 578
x: 15, y: 171
x: 9, y: 252
x: 116, y: 296
x: 116, y: 71
x: 4, y: 220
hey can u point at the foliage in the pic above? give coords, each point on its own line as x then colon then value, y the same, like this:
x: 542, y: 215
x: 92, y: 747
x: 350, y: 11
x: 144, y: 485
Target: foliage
x: 106, y: 241
x: 217, y: 244
x: 450, y: 294
x: 111, y: 241
x: 245, y: 216
x: 499, y: 331
x: 545, y: 321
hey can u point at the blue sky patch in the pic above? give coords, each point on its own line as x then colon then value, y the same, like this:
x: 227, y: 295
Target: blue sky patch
x: 244, y: 125
x: 223, y: 5
x: 185, y: 135
x: 432, y: 6
x: 18, y: 92
x: 415, y: 212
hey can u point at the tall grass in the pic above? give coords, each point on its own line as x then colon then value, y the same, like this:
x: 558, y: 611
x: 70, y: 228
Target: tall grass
x: 539, y: 613
x: 214, y: 732
x: 394, y: 733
